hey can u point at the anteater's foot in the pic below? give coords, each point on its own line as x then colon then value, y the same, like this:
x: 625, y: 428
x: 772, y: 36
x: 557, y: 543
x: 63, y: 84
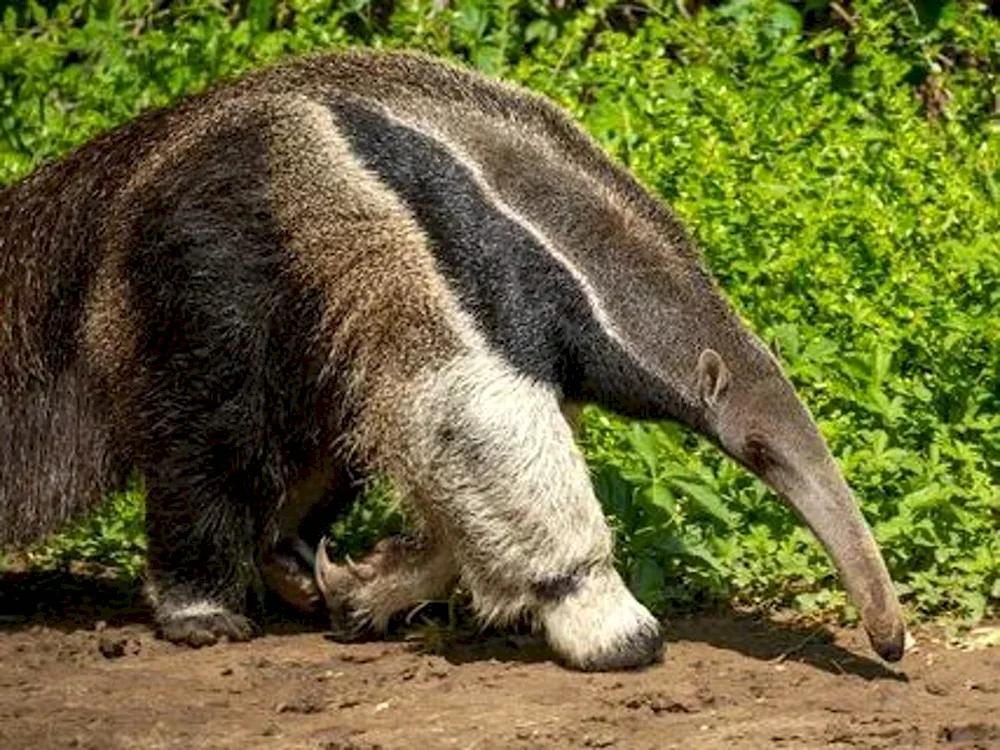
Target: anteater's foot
x: 600, y: 626
x: 398, y: 575
x: 205, y: 624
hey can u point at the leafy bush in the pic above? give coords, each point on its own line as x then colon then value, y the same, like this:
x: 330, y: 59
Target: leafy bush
x: 840, y: 165
x: 113, y: 536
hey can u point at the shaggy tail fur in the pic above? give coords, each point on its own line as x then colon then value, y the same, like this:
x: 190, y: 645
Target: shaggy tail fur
x: 53, y: 459
x: 54, y: 447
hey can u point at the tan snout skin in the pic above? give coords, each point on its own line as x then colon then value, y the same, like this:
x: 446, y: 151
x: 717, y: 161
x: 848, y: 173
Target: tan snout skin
x: 830, y: 510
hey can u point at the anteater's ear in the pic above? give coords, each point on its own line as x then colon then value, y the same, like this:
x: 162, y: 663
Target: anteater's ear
x: 713, y: 377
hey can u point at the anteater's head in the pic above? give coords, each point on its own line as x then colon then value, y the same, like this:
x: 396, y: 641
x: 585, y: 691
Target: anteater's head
x: 757, y: 418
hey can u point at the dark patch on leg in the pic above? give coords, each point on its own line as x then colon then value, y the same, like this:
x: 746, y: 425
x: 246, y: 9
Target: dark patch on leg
x: 557, y: 587
x: 640, y: 649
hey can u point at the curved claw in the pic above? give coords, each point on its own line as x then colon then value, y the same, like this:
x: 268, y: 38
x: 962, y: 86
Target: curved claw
x: 323, y: 570
x: 360, y: 571
x: 330, y: 577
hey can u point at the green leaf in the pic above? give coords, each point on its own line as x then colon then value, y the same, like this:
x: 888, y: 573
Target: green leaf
x: 785, y: 19
x: 642, y: 443
x: 647, y: 580
x: 660, y: 496
x: 706, y: 498
x: 260, y: 13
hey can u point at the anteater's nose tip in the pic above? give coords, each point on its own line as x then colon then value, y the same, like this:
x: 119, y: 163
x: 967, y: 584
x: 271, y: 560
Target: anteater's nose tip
x: 890, y: 651
x: 889, y: 645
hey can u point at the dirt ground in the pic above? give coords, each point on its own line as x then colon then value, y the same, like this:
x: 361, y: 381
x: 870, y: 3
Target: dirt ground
x: 80, y: 668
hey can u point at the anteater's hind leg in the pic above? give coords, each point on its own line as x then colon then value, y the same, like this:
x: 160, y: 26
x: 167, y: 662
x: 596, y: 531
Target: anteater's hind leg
x: 214, y: 480
x: 215, y: 543
x: 207, y: 564
x: 227, y: 391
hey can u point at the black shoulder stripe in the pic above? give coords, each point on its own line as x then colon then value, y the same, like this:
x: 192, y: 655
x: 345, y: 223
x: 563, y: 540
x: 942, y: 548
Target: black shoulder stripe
x: 528, y: 305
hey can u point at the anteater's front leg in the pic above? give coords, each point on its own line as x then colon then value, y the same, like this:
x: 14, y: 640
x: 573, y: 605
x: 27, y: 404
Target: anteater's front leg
x: 398, y: 575
x: 492, y: 464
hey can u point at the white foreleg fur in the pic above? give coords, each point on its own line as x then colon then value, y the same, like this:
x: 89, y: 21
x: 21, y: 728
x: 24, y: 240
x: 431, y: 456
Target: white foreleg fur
x: 500, y: 475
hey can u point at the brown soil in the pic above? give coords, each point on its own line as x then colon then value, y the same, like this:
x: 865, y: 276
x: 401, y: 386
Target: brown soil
x: 68, y: 680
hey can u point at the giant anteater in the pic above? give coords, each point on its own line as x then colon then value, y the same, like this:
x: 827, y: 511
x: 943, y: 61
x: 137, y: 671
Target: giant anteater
x: 376, y: 263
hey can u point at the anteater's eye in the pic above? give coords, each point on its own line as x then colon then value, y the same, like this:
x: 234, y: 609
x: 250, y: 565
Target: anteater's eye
x: 757, y: 455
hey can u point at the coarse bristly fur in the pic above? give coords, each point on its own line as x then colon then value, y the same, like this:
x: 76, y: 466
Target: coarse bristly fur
x: 375, y: 263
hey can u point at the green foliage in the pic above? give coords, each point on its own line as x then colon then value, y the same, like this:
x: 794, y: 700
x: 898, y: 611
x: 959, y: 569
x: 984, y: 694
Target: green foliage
x: 113, y: 535
x: 841, y: 169
x: 375, y: 514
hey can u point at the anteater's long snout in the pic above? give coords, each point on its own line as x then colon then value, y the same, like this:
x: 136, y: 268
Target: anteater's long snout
x: 870, y: 588
x: 832, y: 513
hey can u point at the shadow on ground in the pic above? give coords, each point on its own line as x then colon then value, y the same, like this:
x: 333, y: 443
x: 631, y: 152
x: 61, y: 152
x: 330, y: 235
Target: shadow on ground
x: 767, y: 639
x: 71, y: 600
x: 68, y: 601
